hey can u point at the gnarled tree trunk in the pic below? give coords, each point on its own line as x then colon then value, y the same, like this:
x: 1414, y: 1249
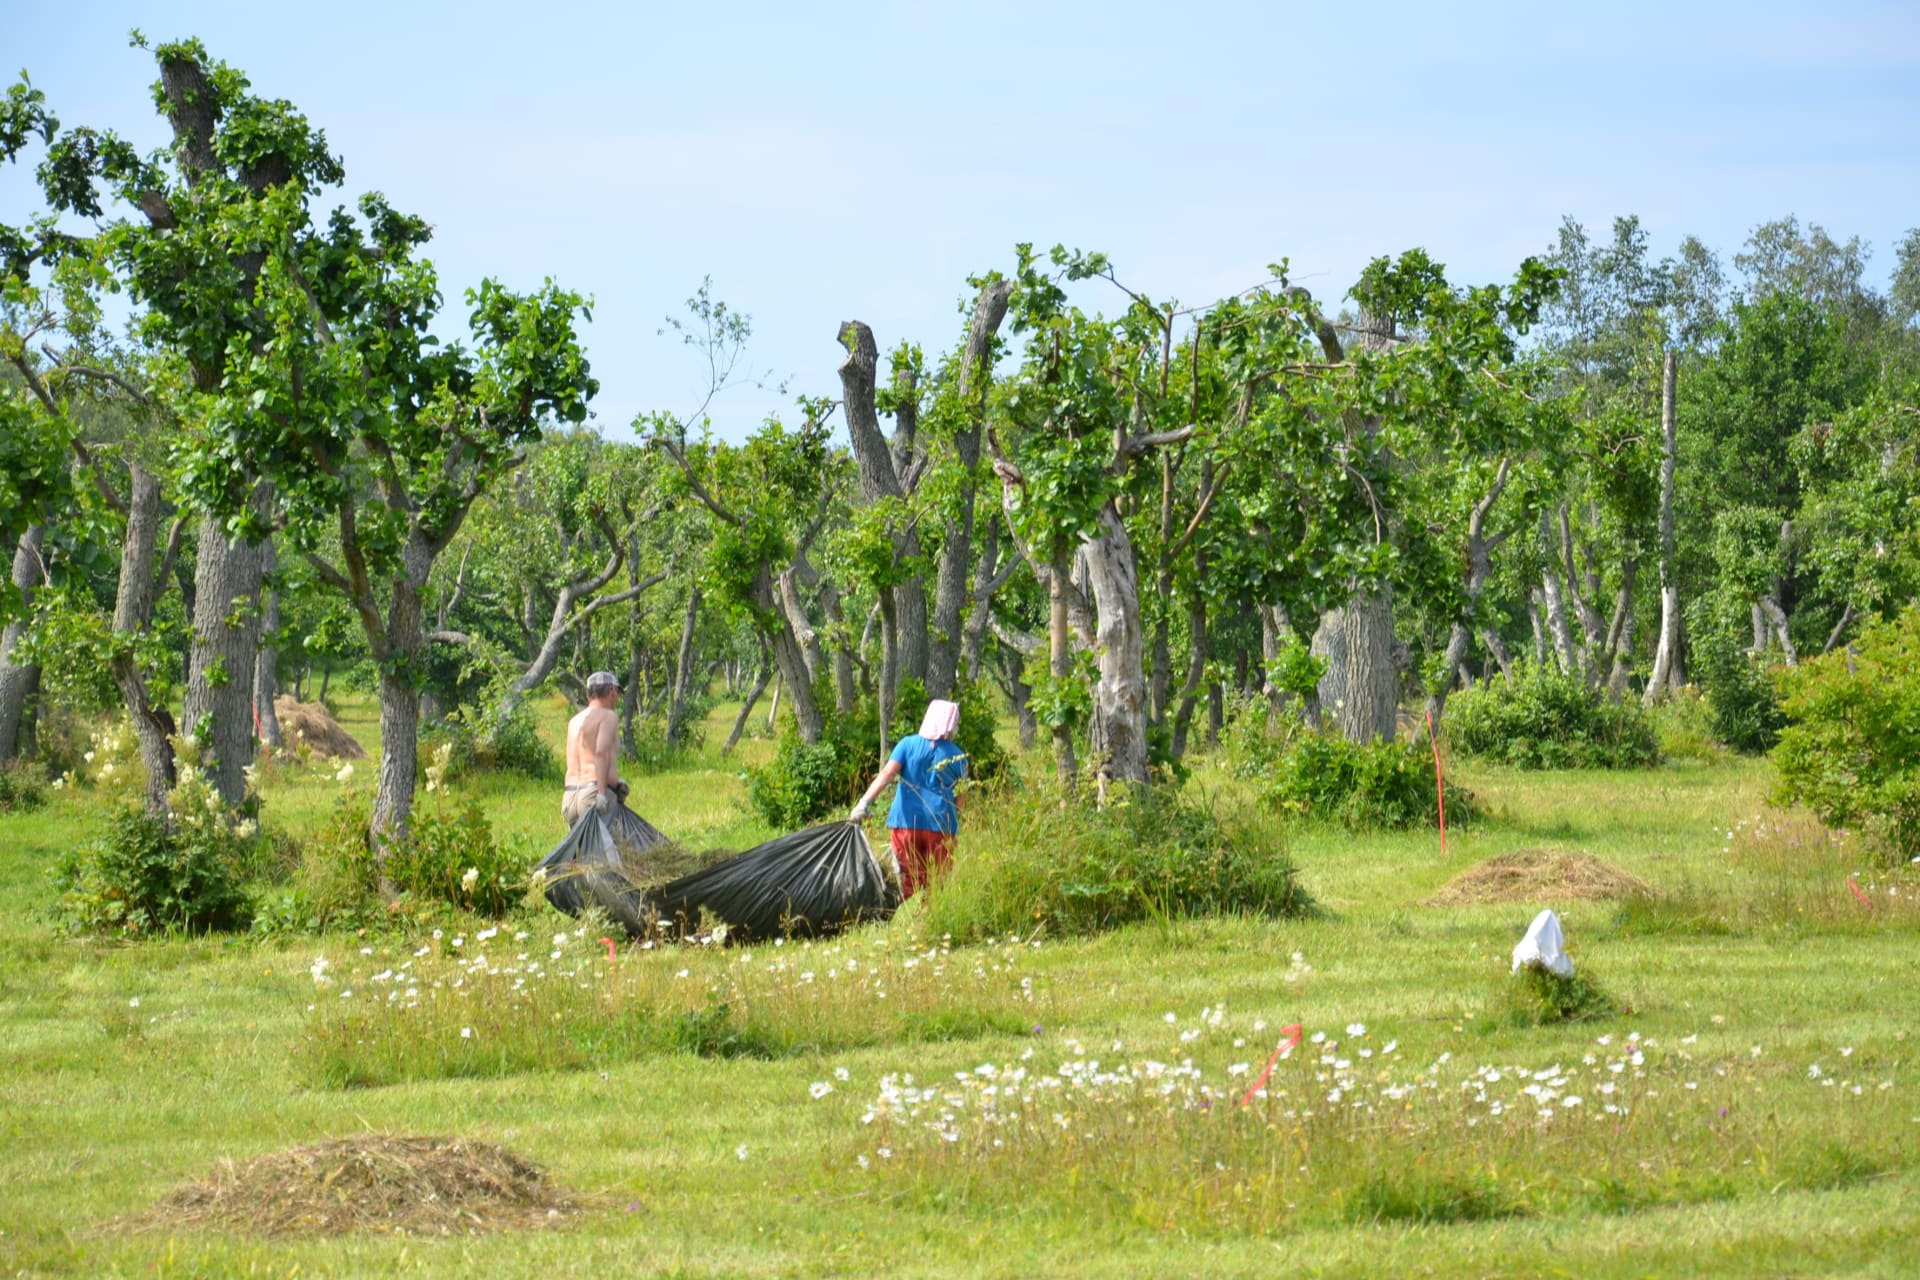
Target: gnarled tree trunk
x: 19, y: 681
x: 266, y: 663
x: 1119, y: 739
x: 221, y: 662
x: 878, y: 481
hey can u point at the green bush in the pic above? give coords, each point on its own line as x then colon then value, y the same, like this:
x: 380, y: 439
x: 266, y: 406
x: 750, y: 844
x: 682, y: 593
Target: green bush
x: 1543, y: 719
x: 1534, y: 997
x: 148, y: 875
x: 1851, y: 751
x: 1027, y: 861
x: 452, y: 856
x: 1683, y: 726
x: 503, y: 738
x: 22, y: 789
x: 1743, y: 703
x: 1362, y: 786
x: 808, y: 782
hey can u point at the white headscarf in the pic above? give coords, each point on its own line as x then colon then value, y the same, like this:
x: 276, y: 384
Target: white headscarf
x: 941, y: 720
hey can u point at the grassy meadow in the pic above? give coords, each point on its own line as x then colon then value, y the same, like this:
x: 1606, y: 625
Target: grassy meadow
x: 890, y: 1104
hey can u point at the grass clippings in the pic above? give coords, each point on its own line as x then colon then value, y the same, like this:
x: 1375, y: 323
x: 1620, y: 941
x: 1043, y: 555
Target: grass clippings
x: 375, y: 1183
x: 1538, y: 875
x: 310, y: 724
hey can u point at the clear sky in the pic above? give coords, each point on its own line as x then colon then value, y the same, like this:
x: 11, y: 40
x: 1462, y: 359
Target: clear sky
x: 850, y: 160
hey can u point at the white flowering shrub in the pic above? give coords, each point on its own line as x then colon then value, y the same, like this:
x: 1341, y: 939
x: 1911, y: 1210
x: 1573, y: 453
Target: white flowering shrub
x: 154, y: 874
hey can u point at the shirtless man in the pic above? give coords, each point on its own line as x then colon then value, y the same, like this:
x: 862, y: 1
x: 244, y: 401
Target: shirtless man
x: 593, y: 751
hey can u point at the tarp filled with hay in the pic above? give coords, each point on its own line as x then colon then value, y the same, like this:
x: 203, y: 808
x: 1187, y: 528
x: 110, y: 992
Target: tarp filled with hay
x: 310, y: 724
x: 374, y: 1183
x: 1539, y: 875
x: 810, y: 883
x: 603, y: 863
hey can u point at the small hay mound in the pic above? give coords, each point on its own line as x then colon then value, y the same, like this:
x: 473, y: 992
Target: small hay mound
x: 375, y: 1183
x: 1538, y: 875
x: 310, y: 723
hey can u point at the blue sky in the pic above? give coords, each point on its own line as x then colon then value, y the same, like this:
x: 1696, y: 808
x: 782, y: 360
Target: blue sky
x: 859, y: 161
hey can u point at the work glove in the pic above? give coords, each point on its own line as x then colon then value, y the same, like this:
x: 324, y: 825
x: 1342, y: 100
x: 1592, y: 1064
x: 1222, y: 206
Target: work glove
x: 859, y: 811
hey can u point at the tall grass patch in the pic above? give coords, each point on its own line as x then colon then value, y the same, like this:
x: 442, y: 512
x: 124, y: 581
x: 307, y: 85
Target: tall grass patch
x: 492, y: 1004
x: 1183, y: 1136
x: 1031, y: 860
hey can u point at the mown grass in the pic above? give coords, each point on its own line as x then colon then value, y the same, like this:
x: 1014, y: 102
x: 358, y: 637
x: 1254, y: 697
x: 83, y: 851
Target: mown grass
x: 717, y: 1163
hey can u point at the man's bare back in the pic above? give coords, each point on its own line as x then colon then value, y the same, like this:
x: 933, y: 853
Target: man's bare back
x: 593, y: 750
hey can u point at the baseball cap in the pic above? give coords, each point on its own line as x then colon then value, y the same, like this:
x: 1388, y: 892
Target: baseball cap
x: 601, y: 681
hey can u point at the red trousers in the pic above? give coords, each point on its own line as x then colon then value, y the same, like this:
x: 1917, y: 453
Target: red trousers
x: 921, y: 855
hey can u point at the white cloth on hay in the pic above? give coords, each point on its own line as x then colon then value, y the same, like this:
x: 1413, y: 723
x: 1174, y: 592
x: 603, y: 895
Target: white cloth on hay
x: 1544, y: 945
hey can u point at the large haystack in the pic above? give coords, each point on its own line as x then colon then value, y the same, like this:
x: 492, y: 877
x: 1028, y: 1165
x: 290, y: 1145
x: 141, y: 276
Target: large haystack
x: 312, y: 725
x: 1543, y: 876
x: 375, y: 1183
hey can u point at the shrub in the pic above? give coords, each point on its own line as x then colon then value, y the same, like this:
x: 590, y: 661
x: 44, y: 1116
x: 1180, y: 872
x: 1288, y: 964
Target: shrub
x: 1362, y: 785
x: 21, y: 788
x: 806, y: 782
x: 1542, y: 719
x: 1742, y: 702
x: 1851, y: 751
x: 182, y: 870
x: 1534, y: 997
x: 503, y: 738
x: 1683, y: 726
x: 1027, y: 861
x: 454, y: 857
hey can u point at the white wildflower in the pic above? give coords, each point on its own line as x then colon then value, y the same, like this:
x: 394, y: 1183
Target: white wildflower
x: 819, y: 1089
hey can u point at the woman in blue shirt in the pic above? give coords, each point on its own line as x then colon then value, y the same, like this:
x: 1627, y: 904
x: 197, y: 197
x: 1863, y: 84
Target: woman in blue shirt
x: 925, y: 816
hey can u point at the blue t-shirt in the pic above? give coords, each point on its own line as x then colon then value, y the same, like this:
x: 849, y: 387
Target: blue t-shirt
x: 930, y: 768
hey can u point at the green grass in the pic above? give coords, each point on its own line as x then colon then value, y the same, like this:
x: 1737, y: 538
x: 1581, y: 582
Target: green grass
x: 105, y: 1105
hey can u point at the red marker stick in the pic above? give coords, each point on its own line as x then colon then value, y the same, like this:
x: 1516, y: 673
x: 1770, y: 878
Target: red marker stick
x: 1289, y: 1040
x: 609, y: 942
x: 1859, y: 893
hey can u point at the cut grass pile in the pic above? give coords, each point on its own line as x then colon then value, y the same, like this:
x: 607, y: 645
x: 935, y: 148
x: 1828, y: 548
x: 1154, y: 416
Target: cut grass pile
x: 1539, y: 876
x: 376, y: 1183
x: 311, y: 726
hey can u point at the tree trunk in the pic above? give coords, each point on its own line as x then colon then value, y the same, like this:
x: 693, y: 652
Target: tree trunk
x: 792, y: 660
x: 1552, y: 593
x: 132, y: 613
x: 1060, y: 655
x: 17, y: 682
x: 1620, y: 630
x: 889, y: 668
x: 1775, y: 620
x: 945, y: 656
x: 399, y: 649
x: 1362, y: 685
x: 1019, y: 695
x: 683, y: 671
x: 1196, y: 670
x: 761, y: 677
x: 1119, y: 739
x: 878, y: 481
x: 221, y: 662
x: 266, y: 664
x: 981, y: 614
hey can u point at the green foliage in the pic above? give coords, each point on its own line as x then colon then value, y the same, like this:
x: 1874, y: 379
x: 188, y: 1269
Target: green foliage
x: 1742, y: 702
x: 147, y: 875
x: 1431, y: 1198
x: 1683, y: 726
x: 806, y: 782
x: 333, y: 883
x: 1540, y: 718
x: 1851, y: 750
x: 22, y: 788
x: 503, y: 738
x: 1028, y: 861
x: 1362, y: 785
x: 452, y: 856
x: 1533, y: 997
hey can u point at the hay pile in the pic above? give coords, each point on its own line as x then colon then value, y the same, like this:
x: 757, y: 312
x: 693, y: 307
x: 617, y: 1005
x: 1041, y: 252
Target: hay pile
x: 1538, y: 875
x: 312, y: 725
x: 376, y: 1183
